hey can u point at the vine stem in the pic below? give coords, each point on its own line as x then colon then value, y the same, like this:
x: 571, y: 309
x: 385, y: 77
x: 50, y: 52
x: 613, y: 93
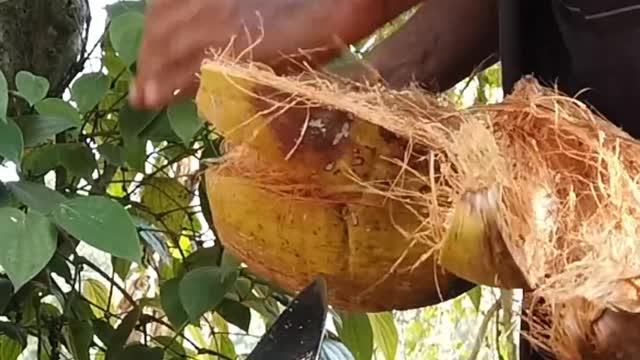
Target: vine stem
x: 482, y: 331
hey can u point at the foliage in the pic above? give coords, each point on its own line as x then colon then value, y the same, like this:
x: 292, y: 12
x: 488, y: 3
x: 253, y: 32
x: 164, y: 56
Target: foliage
x: 100, y: 181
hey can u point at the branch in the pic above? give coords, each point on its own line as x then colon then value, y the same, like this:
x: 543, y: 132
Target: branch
x: 482, y: 331
x: 83, y: 261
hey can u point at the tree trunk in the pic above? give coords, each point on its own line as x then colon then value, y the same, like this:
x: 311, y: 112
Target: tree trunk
x: 45, y: 37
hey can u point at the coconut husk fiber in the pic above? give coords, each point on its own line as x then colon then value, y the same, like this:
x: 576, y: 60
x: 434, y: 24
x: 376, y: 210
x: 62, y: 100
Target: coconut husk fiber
x: 536, y: 192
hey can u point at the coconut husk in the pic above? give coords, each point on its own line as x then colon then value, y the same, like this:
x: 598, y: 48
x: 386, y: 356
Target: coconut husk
x: 554, y: 184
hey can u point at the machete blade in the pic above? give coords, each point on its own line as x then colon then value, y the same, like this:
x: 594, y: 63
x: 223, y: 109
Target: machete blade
x: 298, y: 332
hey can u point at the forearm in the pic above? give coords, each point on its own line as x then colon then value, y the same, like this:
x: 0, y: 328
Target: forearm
x: 322, y: 28
x: 445, y: 41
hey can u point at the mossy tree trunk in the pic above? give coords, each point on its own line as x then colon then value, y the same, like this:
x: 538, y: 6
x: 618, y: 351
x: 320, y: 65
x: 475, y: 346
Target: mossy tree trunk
x: 45, y: 37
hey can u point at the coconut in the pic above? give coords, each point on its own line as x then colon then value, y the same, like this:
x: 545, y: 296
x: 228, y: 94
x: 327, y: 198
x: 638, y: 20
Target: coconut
x: 401, y: 200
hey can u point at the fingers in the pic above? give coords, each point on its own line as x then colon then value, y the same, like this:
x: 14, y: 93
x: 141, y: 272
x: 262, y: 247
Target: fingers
x: 177, y: 33
x: 178, y: 80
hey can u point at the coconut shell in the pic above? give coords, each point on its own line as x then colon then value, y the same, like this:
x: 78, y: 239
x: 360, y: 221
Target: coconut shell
x: 357, y: 248
x: 361, y: 242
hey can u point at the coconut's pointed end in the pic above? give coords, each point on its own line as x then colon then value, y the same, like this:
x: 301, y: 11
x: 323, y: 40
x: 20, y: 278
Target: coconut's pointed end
x: 475, y: 249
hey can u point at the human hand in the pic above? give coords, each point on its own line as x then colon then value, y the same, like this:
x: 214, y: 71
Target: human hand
x: 178, y: 33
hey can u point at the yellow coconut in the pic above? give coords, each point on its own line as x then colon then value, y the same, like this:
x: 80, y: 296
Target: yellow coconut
x: 359, y: 248
x: 368, y: 245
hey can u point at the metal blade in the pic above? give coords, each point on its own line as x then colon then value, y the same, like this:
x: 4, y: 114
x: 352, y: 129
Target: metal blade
x: 298, y: 333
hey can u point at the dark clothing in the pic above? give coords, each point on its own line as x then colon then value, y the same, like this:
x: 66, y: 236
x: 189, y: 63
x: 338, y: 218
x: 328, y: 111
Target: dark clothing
x: 591, y: 45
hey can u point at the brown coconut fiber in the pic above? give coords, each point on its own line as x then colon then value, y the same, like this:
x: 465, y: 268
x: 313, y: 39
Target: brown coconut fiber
x: 537, y: 192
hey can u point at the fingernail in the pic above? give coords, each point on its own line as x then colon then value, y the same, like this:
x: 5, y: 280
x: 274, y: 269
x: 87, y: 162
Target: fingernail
x: 151, y: 92
x: 133, y: 93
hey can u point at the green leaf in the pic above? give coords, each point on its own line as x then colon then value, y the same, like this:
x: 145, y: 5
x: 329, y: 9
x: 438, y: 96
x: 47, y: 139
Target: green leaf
x: 4, y: 98
x: 235, y: 313
x: 133, y: 121
x: 126, y: 35
x: 121, y: 7
x: 334, y: 350
x: 171, y: 304
x: 28, y: 243
x: 203, y: 289
x: 160, y: 130
x: 31, y: 87
x: 135, y: 155
x: 59, y: 266
x: 77, y: 158
x: 122, y: 333
x: 223, y: 345
x: 58, y: 108
x: 169, y: 200
x: 138, y: 352
x: 203, y: 257
x: 79, y: 336
x: 113, y: 154
x: 88, y: 90
x: 357, y: 335
x: 184, y: 119
x: 38, y: 129
x: 385, y: 333
x: 121, y: 267
x: 11, y: 141
x: 475, y: 295
x: 103, y: 330
x: 9, y: 348
x: 36, y: 196
x: 78, y: 308
x: 229, y: 262
x: 82, y: 217
x: 6, y: 292
x: 14, y: 332
x: 98, y: 296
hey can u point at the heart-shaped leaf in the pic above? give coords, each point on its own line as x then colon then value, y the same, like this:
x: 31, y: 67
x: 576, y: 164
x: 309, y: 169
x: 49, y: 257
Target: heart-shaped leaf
x: 88, y: 90
x: 31, y: 87
x: 11, y: 141
x: 113, y: 154
x: 77, y: 158
x: 126, y: 35
x: 171, y: 304
x: 37, y: 129
x: 59, y: 108
x: 36, y: 196
x: 123, y: 6
x: 202, y: 289
x: 235, y: 313
x: 79, y: 335
x: 184, y: 119
x: 28, y: 240
x: 102, y: 223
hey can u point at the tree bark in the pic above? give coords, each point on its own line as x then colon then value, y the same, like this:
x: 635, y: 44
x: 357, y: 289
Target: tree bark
x: 45, y: 37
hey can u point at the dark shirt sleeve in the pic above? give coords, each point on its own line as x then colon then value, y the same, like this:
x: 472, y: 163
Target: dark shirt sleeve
x: 578, y: 45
